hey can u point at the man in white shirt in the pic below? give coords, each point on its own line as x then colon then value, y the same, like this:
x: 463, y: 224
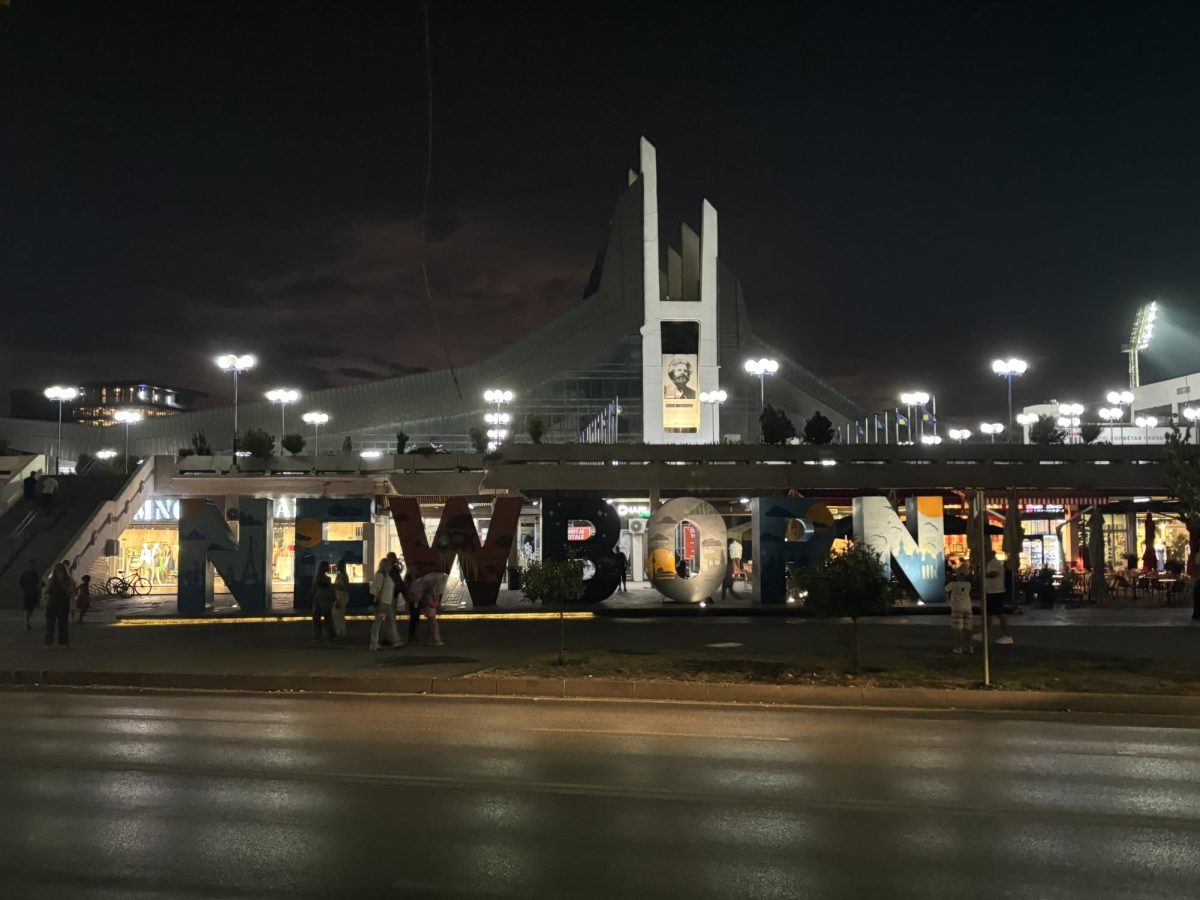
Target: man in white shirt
x: 993, y: 583
x: 49, y: 487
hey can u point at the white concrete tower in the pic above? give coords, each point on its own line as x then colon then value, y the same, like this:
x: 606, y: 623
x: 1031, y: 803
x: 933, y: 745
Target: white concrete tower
x: 679, y: 329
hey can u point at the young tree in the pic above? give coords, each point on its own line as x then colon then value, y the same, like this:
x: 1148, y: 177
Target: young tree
x: 479, y: 438
x: 555, y: 581
x: 536, y: 426
x: 776, y: 427
x: 847, y: 585
x: 401, y: 441
x: 1183, y: 483
x: 293, y: 443
x: 1089, y: 431
x: 347, y: 446
x: 818, y: 430
x: 258, y: 443
x: 200, y: 444
x: 1046, y: 431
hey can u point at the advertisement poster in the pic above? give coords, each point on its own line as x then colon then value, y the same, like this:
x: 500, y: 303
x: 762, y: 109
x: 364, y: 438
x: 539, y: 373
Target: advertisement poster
x: 681, y: 395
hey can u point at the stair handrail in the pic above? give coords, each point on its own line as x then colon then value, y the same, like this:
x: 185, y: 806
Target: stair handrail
x: 82, y: 549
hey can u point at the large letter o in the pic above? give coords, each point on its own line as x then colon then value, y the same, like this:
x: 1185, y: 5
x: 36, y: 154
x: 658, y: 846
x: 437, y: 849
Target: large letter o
x: 660, y: 549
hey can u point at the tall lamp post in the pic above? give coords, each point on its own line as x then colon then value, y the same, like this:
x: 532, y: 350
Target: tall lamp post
x: 283, y: 396
x: 714, y: 399
x: 316, y: 420
x: 761, y: 368
x: 497, y: 434
x: 1146, y: 423
x: 1069, y: 414
x: 1026, y: 421
x: 991, y: 429
x: 1111, y: 416
x: 231, y: 362
x: 1008, y: 369
x: 127, y: 417
x: 1121, y: 399
x: 59, y: 395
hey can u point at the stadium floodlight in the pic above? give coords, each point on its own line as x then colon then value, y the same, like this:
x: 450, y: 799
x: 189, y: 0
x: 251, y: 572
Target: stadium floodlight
x: 1139, y: 339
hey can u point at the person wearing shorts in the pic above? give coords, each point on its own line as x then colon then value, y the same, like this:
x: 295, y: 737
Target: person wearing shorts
x: 993, y: 583
x: 958, y: 591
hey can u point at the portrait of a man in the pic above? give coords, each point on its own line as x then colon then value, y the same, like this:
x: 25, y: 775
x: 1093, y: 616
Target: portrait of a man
x: 679, y: 384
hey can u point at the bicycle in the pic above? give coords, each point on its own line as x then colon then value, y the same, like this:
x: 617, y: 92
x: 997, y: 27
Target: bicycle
x: 119, y: 586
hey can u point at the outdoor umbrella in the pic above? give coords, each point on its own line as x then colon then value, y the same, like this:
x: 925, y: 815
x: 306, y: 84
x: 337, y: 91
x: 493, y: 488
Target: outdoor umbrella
x: 1096, y: 552
x: 1150, y: 558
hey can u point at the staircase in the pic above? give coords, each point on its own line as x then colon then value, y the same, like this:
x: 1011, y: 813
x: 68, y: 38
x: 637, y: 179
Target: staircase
x: 31, y: 533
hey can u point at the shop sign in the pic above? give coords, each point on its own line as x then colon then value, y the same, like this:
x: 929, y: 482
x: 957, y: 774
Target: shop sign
x: 167, y: 510
x: 580, y: 531
x: 636, y: 510
x: 1043, y: 508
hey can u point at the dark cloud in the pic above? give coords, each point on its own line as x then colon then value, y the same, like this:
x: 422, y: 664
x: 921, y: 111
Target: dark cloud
x: 354, y: 373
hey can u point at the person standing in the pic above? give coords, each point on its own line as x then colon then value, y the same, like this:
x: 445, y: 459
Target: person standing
x: 29, y: 486
x: 30, y: 583
x: 622, y: 564
x: 993, y: 583
x: 322, y: 604
x: 58, y: 605
x: 958, y: 591
x: 383, y: 592
x: 49, y: 490
x: 83, y: 597
x: 341, y: 600
x: 427, y: 593
x: 727, y: 579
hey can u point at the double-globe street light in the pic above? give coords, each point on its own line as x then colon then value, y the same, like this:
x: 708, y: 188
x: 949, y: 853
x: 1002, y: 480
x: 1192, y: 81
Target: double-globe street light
x: 316, y: 420
x: 232, y: 362
x: 1121, y: 399
x: 1068, y: 418
x: 714, y: 399
x: 283, y: 396
x: 760, y: 369
x: 1112, y: 415
x: 1008, y: 369
x: 915, y: 400
x: 127, y: 417
x: 991, y: 429
x: 59, y: 395
x: 1146, y: 423
x: 959, y: 434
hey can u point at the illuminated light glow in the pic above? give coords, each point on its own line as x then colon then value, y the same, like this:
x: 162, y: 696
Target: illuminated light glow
x: 960, y: 434
x: 105, y: 454
x: 371, y: 454
x: 232, y: 362
x: 1119, y: 398
x: 914, y: 398
x: 1010, y: 367
x: 930, y: 439
x: 315, y: 418
x: 60, y: 394
x: 127, y: 416
x: 1070, y: 409
x: 1027, y: 419
x: 762, y: 367
x: 496, y: 395
x: 283, y: 395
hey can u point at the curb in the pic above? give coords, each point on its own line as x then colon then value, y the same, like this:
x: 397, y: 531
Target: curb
x: 614, y: 689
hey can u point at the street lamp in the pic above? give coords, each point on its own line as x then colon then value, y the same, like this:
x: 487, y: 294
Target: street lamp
x: 1192, y: 414
x: 761, y: 368
x: 715, y: 399
x: 1070, y: 412
x: 930, y: 439
x: 1121, y: 399
x: 1110, y: 415
x: 316, y: 420
x: 283, y: 396
x: 105, y: 454
x: 960, y: 434
x: 231, y: 362
x: 59, y: 395
x: 1146, y: 423
x: 914, y: 399
x: 127, y: 417
x: 991, y: 429
x: 1008, y: 369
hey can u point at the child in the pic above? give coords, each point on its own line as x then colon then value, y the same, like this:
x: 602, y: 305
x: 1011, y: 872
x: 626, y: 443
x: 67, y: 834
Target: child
x: 83, y: 596
x: 959, y: 593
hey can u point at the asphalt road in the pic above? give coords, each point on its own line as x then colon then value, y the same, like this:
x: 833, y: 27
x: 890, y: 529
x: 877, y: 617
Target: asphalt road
x: 108, y: 795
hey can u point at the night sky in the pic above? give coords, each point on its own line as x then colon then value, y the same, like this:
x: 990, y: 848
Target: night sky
x: 905, y: 189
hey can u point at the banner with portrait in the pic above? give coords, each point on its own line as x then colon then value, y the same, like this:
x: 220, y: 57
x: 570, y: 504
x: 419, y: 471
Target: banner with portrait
x: 681, y: 393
